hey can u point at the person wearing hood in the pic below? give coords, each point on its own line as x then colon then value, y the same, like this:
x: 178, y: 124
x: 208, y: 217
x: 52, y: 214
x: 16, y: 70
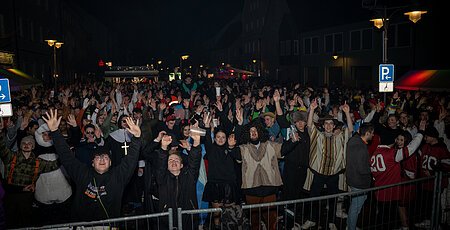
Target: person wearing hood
x: 99, y: 187
x: 23, y: 169
x: 43, y: 140
x: 118, y: 141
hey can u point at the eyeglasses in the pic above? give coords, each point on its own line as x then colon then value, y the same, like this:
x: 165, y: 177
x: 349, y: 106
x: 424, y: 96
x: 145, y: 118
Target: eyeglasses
x: 90, y: 132
x: 101, y: 157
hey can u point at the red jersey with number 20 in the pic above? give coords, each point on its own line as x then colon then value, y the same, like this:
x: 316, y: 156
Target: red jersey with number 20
x: 386, y: 169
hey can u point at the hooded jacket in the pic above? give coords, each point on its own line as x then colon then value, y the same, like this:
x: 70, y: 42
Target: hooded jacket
x: 97, y: 196
x: 178, y: 191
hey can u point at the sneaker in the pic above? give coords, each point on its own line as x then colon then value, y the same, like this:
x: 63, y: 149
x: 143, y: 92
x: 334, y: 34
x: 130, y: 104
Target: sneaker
x: 332, y: 226
x: 341, y: 214
x: 296, y: 226
x: 423, y: 224
x: 308, y: 224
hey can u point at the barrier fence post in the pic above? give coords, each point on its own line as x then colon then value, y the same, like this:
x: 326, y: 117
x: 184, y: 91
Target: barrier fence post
x: 436, y: 201
x: 170, y: 218
x: 180, y: 219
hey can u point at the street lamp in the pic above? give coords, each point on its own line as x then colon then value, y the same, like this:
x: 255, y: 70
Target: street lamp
x: 383, y: 22
x: 56, y: 45
x: 182, y: 58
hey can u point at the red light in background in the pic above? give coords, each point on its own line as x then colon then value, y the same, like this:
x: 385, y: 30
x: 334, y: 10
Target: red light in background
x: 101, y: 63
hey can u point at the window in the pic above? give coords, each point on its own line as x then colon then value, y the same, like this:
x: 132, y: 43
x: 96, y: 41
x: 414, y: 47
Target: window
x: 295, y: 47
x: 338, y: 42
x: 307, y: 45
x: 367, y: 39
x: 355, y: 40
x: 288, y: 47
x: 315, y: 45
x: 403, y: 34
x: 329, y: 43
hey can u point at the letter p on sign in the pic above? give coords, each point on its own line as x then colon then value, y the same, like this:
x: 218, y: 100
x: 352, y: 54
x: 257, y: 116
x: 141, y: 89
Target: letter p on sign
x: 386, y: 73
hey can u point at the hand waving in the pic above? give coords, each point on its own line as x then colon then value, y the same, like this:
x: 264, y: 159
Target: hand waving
x: 133, y: 128
x: 52, y: 119
x: 71, y: 120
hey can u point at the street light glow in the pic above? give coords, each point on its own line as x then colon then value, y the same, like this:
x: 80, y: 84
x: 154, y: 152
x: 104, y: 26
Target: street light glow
x: 415, y: 16
x: 50, y: 42
x: 377, y: 22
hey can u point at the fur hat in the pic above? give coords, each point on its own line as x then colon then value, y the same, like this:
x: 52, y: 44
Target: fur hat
x: 299, y: 116
x: 29, y: 138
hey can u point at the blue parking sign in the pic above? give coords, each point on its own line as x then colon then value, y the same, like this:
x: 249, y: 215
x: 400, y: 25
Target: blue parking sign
x: 386, y: 73
x: 5, y: 95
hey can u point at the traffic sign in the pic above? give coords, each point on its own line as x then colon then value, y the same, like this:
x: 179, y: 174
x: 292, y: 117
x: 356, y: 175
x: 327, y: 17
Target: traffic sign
x: 386, y: 73
x: 6, y: 110
x: 5, y: 95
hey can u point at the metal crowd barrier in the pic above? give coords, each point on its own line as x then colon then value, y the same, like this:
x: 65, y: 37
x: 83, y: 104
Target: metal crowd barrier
x: 420, y: 209
x: 150, y: 221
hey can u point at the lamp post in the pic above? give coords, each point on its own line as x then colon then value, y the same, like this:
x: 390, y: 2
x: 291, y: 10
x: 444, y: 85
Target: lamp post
x: 383, y: 22
x: 56, y: 45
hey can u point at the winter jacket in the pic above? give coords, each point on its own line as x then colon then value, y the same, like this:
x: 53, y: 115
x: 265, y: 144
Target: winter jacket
x: 97, y: 196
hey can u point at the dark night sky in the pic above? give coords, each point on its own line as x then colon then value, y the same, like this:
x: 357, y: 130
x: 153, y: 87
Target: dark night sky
x: 162, y: 28
x: 167, y: 28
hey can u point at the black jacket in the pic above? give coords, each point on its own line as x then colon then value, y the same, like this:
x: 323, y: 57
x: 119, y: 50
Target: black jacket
x: 178, y: 191
x: 357, y: 171
x: 110, y: 185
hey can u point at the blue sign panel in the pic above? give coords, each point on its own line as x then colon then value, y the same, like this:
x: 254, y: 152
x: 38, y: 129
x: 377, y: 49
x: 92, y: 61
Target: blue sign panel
x: 386, y: 73
x: 5, y: 95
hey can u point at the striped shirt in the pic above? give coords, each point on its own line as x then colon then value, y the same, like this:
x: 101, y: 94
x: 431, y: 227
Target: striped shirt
x: 327, y: 154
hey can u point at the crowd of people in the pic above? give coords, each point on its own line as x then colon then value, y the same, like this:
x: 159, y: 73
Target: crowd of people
x: 100, y: 150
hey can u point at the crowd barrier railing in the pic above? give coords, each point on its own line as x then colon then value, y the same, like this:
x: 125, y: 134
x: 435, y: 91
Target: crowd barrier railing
x: 416, y: 207
x: 149, y: 221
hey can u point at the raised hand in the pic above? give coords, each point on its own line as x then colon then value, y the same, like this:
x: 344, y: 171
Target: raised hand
x: 97, y: 132
x: 71, y: 120
x: 52, y: 119
x: 195, y: 136
x: 207, y: 120
x: 313, y: 104
x: 276, y: 95
x: 239, y: 116
x: 133, y: 127
x: 165, y: 141
x: 345, y: 108
x: 184, y: 144
x: 219, y: 105
x: 160, y: 136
